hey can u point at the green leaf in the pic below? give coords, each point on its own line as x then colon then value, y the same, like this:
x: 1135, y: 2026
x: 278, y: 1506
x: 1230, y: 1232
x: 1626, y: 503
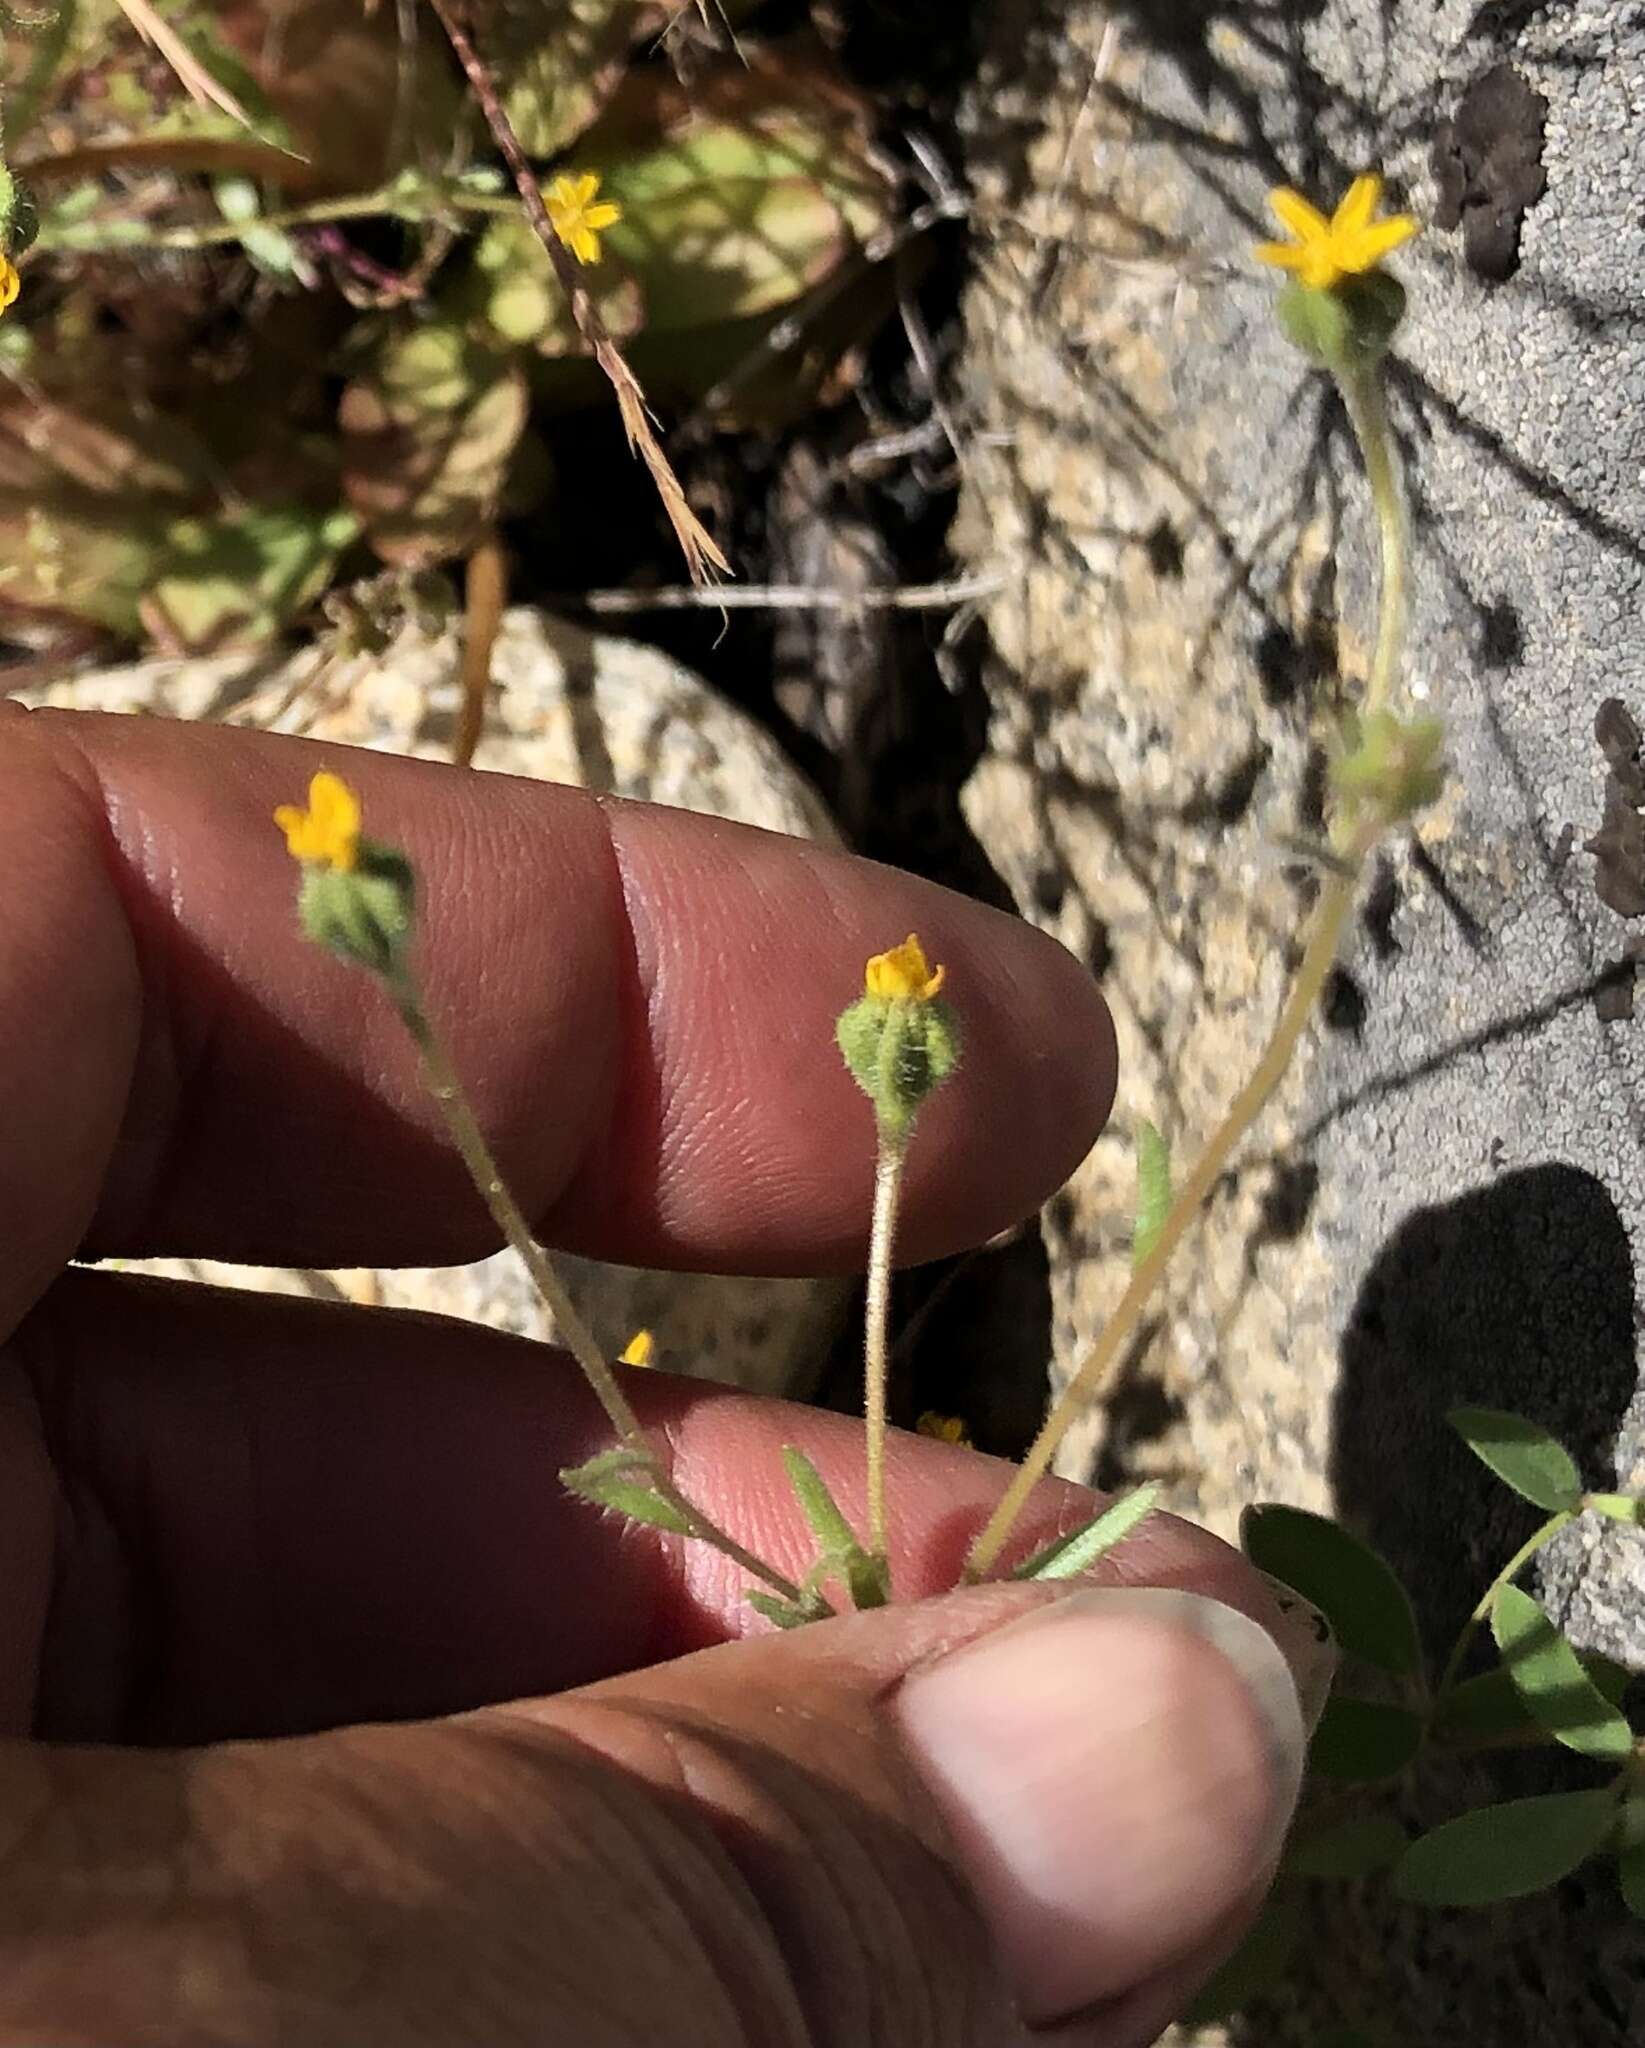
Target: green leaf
x: 429, y: 434
x: 558, y: 64
x: 1551, y: 1681
x: 1352, y: 1848
x: 789, y: 1613
x: 864, y: 1576
x: 239, y: 577
x: 1256, y: 1966
x: 1522, y: 1455
x: 1352, y: 1586
x: 1363, y: 1741
x: 1488, y: 1711
x: 1153, y: 1191
x: 1076, y: 1552
x: 621, y: 1480
x: 1505, y: 1852
x: 1617, y: 1507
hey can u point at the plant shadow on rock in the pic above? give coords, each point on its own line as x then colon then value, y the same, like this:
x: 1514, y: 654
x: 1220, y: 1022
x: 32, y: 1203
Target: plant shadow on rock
x: 1517, y: 1295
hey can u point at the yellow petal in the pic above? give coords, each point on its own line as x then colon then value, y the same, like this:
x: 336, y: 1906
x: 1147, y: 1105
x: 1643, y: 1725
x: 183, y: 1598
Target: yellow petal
x: 10, y: 283
x: 1366, y: 250
x: 1283, y: 255
x: 1359, y: 203
x: 903, y: 974
x: 584, y: 246
x: 561, y: 194
x: 1305, y: 221
x: 605, y: 215
x: 638, y: 1350
x: 586, y: 186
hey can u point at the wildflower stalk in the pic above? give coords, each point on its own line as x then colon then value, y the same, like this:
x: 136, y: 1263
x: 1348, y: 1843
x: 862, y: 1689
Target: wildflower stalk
x: 463, y: 1128
x: 1096, y: 1370
x: 1342, y: 312
x: 888, y: 1168
x: 1363, y: 393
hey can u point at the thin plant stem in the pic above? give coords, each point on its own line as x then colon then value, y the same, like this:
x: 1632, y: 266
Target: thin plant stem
x: 469, y: 1140
x: 888, y: 1166
x: 1095, y: 1371
x: 1363, y: 393
x: 1487, y: 1600
x: 399, y: 201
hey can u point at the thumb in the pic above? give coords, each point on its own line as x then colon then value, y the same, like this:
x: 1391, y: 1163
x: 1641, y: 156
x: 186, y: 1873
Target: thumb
x: 947, y: 1821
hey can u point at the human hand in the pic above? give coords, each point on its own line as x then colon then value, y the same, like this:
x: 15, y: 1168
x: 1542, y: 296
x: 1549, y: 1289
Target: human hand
x: 230, y: 1519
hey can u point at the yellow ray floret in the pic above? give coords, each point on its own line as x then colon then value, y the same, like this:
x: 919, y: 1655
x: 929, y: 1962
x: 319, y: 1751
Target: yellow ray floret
x: 328, y: 832
x: 576, y: 217
x: 948, y: 1429
x: 1347, y: 244
x: 904, y: 974
x: 10, y: 283
x: 639, y: 1349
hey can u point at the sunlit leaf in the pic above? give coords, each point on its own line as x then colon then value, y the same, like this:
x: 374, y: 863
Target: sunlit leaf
x: 621, y: 1481
x: 428, y: 437
x: 1352, y: 1586
x: 1487, y: 1711
x: 1522, y: 1455
x: 839, y: 1551
x: 1551, y: 1681
x: 558, y: 62
x: 1507, y: 1851
x: 1153, y: 1191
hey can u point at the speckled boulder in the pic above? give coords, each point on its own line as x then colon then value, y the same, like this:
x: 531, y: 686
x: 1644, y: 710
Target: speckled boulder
x: 1447, y: 1201
x: 567, y: 706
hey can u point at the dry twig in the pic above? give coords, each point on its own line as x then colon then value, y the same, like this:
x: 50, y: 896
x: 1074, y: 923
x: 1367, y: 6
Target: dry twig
x: 193, y: 76
x: 697, y: 544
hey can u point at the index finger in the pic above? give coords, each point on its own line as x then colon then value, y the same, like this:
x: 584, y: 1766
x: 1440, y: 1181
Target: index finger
x: 641, y: 1003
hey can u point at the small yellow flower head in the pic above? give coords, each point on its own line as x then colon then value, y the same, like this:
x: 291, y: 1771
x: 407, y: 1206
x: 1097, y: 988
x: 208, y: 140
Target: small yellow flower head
x: 898, y: 1041
x: 1349, y: 244
x: 356, y: 897
x: 328, y: 832
x: 948, y: 1429
x: 639, y: 1349
x: 903, y: 975
x: 577, y: 218
x: 10, y: 283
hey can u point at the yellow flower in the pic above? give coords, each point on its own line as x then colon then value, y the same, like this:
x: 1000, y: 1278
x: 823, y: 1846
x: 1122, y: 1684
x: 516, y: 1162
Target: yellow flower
x: 328, y: 832
x: 1346, y: 245
x: 10, y: 283
x: 638, y: 1350
x: 577, y: 221
x: 948, y: 1429
x: 903, y: 974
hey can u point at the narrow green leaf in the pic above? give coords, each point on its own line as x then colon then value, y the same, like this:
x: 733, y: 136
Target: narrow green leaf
x: 1352, y: 1848
x: 1505, y: 1852
x: 1362, y: 1741
x: 1630, y: 1870
x: 788, y: 1613
x: 1522, y: 1455
x: 1352, y: 1586
x: 833, y: 1532
x: 1256, y: 1966
x: 1076, y: 1552
x: 1153, y: 1191
x: 1487, y: 1711
x: 1549, y: 1676
x: 620, y: 1480
x: 865, y: 1576
x: 1617, y: 1507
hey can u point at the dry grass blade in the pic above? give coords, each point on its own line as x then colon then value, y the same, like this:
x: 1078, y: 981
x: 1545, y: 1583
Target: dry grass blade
x: 702, y: 556
x: 195, y: 79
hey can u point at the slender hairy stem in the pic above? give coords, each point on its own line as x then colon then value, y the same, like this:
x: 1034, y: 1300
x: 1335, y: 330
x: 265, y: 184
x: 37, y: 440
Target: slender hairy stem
x: 399, y: 200
x: 887, y: 1188
x: 1368, y: 410
x: 1487, y: 1600
x: 466, y: 1135
x: 1363, y: 395
x: 1095, y: 1371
